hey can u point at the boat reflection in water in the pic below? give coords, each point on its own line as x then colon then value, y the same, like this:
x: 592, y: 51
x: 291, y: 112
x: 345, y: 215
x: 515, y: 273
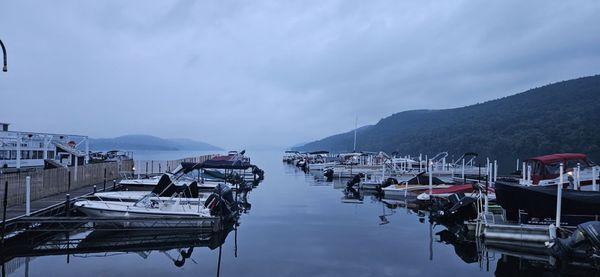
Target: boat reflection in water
x: 500, y: 261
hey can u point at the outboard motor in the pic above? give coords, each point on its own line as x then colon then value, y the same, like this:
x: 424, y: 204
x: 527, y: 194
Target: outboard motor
x: 221, y: 202
x: 457, y: 206
x: 586, y: 238
x: 355, y: 180
x: 258, y: 172
x: 328, y: 174
x: 388, y: 182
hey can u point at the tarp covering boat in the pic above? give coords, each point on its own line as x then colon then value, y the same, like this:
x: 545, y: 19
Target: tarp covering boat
x: 166, y: 187
x: 540, y: 201
x: 422, y: 179
x: 216, y: 164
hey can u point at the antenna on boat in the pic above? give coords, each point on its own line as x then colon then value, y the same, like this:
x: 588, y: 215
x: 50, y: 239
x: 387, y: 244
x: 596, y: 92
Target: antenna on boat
x: 355, y: 127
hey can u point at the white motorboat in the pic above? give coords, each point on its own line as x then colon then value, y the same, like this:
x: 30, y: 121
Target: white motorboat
x: 134, y: 196
x: 162, y: 202
x: 144, y: 208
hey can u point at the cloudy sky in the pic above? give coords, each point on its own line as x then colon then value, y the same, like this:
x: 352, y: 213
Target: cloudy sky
x: 276, y: 73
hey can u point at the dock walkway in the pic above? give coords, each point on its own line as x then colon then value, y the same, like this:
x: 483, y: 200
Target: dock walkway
x: 48, y: 203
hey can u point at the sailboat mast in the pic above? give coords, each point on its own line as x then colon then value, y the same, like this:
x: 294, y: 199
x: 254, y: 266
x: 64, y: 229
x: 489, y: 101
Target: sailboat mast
x: 355, y: 126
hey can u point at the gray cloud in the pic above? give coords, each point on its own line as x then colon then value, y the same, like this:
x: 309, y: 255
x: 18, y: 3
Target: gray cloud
x: 274, y: 73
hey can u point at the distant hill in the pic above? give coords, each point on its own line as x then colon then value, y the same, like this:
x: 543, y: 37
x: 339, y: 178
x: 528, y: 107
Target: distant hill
x: 145, y: 142
x: 560, y: 117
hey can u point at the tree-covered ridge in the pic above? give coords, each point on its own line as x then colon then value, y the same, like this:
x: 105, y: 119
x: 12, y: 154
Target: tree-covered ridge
x: 560, y: 117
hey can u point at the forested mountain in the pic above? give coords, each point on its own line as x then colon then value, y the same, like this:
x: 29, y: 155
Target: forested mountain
x: 145, y: 142
x: 560, y: 117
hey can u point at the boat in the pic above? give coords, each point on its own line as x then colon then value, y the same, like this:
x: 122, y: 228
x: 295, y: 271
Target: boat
x: 415, y: 185
x: 164, y: 190
x: 219, y: 203
x: 148, y: 184
x: 540, y: 202
x: 448, y: 191
x: 544, y: 170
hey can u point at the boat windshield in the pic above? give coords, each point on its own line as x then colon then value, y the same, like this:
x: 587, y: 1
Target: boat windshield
x: 574, y: 163
x: 553, y: 169
x: 145, y: 201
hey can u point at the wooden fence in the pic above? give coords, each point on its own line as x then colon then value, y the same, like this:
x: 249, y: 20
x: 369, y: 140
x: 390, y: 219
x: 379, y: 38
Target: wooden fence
x: 143, y: 167
x: 53, y: 181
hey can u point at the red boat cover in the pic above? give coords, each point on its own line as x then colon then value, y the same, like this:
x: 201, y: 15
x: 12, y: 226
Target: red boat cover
x: 549, y: 159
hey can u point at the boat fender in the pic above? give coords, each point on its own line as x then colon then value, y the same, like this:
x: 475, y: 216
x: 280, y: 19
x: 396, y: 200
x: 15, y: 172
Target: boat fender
x: 423, y: 197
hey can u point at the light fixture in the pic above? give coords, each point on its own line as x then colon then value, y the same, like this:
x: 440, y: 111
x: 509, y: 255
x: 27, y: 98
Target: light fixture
x: 4, y: 67
x: 570, y: 173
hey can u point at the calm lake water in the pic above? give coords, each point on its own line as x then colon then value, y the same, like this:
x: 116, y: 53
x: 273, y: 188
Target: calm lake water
x: 297, y: 226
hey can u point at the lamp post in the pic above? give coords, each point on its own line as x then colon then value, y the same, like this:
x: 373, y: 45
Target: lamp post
x: 4, y: 68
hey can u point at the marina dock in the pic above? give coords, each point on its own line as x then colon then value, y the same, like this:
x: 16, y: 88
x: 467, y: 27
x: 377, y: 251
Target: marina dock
x: 41, y: 196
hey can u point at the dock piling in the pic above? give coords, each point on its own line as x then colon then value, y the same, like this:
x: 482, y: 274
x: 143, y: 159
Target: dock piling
x: 95, y: 190
x: 559, y: 196
x: 4, y: 205
x: 67, y: 202
x: 594, y: 176
x: 462, y: 173
x: 104, y: 184
x: 114, y: 184
x: 28, y: 196
x: 69, y: 183
x: 578, y: 176
x: 430, y: 176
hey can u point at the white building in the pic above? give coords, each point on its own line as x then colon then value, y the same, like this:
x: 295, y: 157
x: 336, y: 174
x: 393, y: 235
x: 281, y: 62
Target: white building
x: 20, y: 149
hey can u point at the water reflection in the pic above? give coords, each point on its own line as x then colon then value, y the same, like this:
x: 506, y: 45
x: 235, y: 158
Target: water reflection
x: 97, y: 239
x: 500, y: 261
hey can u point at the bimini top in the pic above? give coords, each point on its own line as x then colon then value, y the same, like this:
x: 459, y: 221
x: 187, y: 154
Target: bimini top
x: 549, y: 159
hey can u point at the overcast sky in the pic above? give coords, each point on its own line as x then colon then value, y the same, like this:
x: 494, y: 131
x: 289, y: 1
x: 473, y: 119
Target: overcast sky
x: 275, y: 73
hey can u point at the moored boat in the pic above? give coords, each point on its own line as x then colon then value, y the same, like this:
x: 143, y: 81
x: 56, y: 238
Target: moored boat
x: 540, y: 202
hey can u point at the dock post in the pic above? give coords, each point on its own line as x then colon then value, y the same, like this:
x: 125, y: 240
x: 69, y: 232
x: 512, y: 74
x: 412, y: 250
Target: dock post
x: 4, y: 204
x: 578, y: 176
x: 430, y: 177
x: 67, y: 204
x: 488, y: 184
x: 27, y: 196
x: 523, y: 169
x: 559, y: 188
x: 95, y: 190
x: 104, y: 184
x: 146, y: 169
x: 495, y: 170
x: 594, y: 184
x: 114, y: 184
x: 69, y: 183
x: 463, y: 169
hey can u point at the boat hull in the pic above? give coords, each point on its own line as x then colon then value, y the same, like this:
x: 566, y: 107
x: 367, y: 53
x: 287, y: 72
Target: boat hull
x: 540, y: 201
